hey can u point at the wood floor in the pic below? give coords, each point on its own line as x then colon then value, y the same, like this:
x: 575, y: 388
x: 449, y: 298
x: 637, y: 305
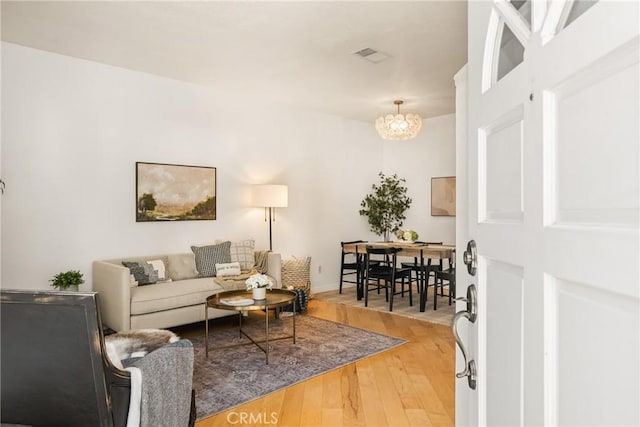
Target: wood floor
x: 411, y: 385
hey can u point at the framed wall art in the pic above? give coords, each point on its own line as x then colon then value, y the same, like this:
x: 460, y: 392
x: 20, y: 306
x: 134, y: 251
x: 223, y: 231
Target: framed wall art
x: 443, y: 196
x: 166, y: 192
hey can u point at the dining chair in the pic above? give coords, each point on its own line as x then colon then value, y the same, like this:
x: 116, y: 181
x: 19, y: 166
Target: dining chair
x: 423, y: 272
x: 448, y: 275
x: 348, y: 264
x: 385, y: 270
x: 351, y: 264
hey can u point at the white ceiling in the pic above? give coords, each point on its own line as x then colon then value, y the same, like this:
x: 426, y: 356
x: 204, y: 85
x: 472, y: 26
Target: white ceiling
x: 296, y: 54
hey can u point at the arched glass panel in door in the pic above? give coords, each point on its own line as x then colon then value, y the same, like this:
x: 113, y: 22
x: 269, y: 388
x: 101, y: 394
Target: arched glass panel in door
x: 511, y: 52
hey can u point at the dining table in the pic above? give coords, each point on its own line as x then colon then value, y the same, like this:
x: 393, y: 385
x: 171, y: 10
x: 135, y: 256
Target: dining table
x: 417, y: 250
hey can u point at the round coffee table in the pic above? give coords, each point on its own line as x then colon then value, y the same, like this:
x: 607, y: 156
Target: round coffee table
x: 238, y: 301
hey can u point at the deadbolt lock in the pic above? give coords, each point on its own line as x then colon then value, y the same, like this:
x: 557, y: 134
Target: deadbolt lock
x: 470, y: 257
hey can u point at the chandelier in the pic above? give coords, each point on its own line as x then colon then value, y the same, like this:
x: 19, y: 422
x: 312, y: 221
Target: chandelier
x: 400, y: 126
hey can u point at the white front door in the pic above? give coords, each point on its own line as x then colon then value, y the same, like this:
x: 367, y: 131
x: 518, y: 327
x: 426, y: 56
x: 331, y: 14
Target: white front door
x: 553, y: 205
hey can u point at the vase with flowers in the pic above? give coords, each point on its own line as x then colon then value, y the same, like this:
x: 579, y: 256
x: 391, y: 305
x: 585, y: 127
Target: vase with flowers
x: 258, y: 284
x: 407, y: 235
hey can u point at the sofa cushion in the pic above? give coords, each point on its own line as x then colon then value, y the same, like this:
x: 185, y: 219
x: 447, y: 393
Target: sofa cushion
x: 182, y: 266
x: 208, y: 256
x: 169, y: 295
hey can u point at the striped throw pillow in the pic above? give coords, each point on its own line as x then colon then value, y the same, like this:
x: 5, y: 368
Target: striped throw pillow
x: 208, y: 256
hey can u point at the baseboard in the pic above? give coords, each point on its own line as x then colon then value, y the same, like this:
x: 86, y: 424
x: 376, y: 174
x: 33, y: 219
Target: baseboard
x: 330, y: 287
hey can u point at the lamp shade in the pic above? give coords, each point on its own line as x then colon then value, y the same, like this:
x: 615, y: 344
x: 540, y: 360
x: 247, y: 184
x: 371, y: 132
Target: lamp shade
x: 270, y: 196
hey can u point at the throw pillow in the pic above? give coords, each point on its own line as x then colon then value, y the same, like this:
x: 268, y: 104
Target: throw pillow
x: 208, y: 256
x: 159, y: 266
x: 182, y: 266
x: 242, y: 252
x: 143, y: 272
x: 296, y: 272
x: 230, y: 269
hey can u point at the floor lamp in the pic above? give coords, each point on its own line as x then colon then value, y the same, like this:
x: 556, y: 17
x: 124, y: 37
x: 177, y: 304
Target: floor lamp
x: 270, y: 197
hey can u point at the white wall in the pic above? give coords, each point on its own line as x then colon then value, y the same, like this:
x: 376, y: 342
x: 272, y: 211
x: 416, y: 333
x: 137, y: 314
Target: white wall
x: 430, y: 154
x: 73, y: 130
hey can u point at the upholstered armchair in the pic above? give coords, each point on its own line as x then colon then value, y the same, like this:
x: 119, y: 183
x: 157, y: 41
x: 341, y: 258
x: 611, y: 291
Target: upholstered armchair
x: 55, y: 370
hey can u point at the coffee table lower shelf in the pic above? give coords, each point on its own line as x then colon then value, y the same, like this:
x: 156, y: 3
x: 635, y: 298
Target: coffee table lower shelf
x: 275, y: 299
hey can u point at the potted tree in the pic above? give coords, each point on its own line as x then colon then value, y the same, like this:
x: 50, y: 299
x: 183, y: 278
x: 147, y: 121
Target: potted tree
x: 69, y: 280
x: 386, y: 205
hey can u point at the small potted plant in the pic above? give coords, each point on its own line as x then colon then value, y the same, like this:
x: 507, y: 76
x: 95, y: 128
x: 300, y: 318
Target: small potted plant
x: 259, y: 283
x: 69, y: 280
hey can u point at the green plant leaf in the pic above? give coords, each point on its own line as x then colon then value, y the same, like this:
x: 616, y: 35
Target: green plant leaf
x: 67, y: 279
x: 386, y: 205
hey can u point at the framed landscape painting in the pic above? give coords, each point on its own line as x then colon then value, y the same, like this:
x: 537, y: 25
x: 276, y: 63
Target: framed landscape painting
x: 166, y: 192
x: 443, y: 196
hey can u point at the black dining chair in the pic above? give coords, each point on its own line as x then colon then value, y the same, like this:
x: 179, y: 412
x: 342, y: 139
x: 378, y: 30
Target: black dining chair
x: 385, y: 273
x: 348, y: 264
x: 351, y: 264
x: 423, y: 272
x: 442, y: 276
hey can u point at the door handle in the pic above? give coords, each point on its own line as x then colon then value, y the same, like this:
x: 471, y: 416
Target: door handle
x: 471, y: 314
x: 470, y: 257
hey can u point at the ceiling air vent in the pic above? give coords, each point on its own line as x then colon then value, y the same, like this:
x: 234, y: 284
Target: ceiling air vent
x: 371, y: 55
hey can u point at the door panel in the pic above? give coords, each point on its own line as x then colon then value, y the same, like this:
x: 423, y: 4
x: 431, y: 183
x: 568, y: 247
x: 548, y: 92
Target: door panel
x: 591, y: 105
x: 504, y: 336
x: 500, y: 169
x: 584, y: 320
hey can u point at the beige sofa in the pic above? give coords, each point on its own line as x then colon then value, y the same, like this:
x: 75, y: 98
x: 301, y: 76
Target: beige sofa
x: 125, y: 306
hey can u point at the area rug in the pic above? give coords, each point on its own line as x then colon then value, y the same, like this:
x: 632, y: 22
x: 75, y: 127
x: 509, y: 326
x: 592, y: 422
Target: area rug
x: 237, y: 375
x: 443, y: 315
